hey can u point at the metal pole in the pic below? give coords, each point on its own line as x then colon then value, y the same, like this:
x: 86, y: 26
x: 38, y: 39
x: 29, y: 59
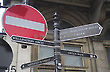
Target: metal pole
x: 58, y: 65
x: 1, y: 5
x: 25, y: 1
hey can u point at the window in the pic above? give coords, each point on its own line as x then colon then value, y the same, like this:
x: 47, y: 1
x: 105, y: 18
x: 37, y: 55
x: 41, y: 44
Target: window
x: 45, y: 71
x: 45, y: 52
x: 64, y: 71
x: 75, y: 71
x: 72, y: 60
x: 108, y: 54
x: 68, y: 60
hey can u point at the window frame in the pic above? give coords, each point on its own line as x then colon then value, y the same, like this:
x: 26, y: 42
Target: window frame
x: 107, y: 56
x: 75, y: 45
x: 51, y: 67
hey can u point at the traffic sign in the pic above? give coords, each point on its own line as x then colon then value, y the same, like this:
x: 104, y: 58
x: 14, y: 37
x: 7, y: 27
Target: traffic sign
x: 32, y: 41
x: 78, y: 54
x: 80, y: 32
x: 36, y: 63
x: 24, y: 21
x: 6, y: 55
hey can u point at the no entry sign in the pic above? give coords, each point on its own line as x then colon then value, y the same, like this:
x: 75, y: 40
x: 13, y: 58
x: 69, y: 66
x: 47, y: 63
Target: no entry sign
x: 24, y: 21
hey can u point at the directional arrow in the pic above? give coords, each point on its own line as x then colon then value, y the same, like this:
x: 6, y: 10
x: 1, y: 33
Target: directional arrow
x: 78, y: 54
x: 32, y: 41
x: 80, y: 32
x: 36, y: 63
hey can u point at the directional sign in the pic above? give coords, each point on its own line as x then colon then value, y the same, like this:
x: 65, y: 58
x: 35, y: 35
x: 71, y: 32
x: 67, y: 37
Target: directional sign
x: 32, y: 41
x: 36, y: 63
x: 80, y: 32
x: 78, y: 54
x: 24, y: 21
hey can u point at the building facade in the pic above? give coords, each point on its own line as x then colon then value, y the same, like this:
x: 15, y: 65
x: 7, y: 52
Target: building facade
x: 72, y: 13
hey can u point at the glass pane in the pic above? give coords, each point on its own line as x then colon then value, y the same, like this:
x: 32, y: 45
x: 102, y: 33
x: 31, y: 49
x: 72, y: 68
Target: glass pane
x: 75, y: 71
x: 108, y: 55
x: 73, y: 60
x: 45, y: 71
x: 45, y: 52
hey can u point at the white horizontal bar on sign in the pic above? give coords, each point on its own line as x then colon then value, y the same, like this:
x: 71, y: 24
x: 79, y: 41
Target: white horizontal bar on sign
x: 24, y: 23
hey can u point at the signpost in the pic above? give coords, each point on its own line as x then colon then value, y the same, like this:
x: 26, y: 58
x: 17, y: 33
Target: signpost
x: 78, y: 54
x: 36, y: 63
x: 80, y: 32
x: 65, y: 52
x: 24, y: 21
x: 58, y: 65
x: 29, y: 26
x: 57, y: 51
x: 32, y: 41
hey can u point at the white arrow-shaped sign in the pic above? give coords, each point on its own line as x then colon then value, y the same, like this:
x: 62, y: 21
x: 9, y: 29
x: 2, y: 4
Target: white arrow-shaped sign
x: 80, y: 32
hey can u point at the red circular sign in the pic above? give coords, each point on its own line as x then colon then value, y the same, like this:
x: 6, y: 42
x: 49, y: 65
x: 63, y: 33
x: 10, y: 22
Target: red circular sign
x: 24, y: 21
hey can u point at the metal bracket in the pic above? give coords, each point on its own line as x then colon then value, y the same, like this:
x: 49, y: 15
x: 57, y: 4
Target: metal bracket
x: 3, y: 7
x: 2, y: 35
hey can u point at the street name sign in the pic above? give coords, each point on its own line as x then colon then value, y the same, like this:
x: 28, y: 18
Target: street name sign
x: 78, y: 54
x: 32, y: 41
x: 24, y: 21
x: 36, y: 63
x: 80, y: 32
x: 65, y: 52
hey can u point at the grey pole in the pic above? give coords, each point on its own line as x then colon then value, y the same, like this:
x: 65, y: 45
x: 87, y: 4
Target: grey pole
x: 58, y: 65
x: 25, y: 1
